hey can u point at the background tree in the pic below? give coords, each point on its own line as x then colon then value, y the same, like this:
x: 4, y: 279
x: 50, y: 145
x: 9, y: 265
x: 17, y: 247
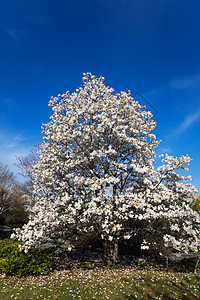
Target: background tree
x: 195, y: 205
x: 12, y: 204
x: 25, y: 167
x: 7, y: 183
x: 96, y: 173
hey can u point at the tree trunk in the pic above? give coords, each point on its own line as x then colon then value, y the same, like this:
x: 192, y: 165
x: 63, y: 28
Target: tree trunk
x: 111, y: 252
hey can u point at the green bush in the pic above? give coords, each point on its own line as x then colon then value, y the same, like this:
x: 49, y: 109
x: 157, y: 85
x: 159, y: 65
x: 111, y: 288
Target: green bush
x: 16, y: 262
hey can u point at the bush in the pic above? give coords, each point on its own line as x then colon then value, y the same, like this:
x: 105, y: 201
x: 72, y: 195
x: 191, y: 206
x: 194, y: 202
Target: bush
x: 16, y: 262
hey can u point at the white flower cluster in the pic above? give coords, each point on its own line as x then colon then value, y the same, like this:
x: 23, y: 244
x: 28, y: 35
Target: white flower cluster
x: 96, y: 171
x: 46, y: 225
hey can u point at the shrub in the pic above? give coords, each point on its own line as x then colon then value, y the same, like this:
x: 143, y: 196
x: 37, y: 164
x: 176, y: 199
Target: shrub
x: 16, y: 262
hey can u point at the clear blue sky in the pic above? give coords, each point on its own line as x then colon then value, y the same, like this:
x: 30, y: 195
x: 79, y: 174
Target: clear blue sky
x: 151, y: 46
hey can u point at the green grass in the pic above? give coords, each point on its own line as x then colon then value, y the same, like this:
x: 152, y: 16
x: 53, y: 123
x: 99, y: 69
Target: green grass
x: 102, y: 284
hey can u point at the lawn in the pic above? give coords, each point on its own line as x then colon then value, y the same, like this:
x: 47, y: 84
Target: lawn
x: 125, y: 283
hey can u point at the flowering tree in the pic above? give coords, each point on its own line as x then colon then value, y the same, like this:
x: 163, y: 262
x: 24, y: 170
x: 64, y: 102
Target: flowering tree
x: 96, y: 172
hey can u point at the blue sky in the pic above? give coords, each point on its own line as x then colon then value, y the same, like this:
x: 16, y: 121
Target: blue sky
x: 151, y: 46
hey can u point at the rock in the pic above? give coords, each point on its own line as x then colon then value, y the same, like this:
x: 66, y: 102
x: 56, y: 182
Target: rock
x: 5, y: 231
